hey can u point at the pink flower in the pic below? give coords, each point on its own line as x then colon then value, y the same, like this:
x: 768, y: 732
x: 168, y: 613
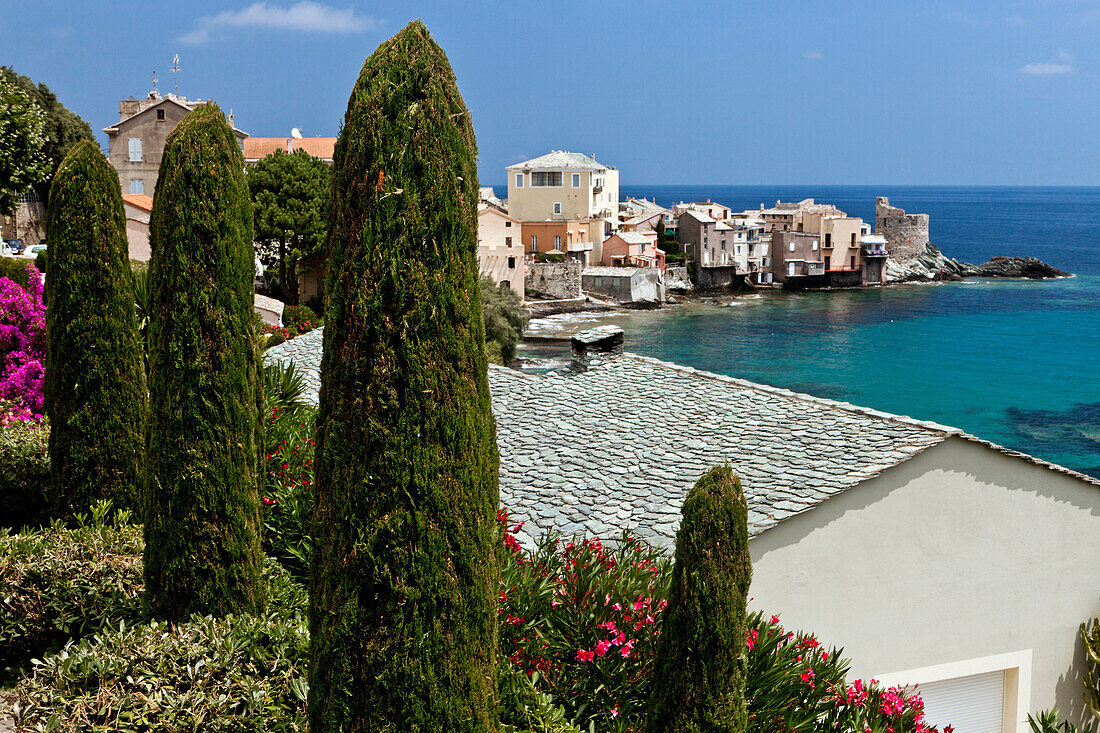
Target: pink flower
x: 615, y: 713
x: 606, y: 598
x: 618, y: 607
x: 627, y: 649
x: 269, y: 502
x: 602, y: 647
x: 583, y: 655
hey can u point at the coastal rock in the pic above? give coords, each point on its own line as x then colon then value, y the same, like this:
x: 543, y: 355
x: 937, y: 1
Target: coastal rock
x: 933, y: 265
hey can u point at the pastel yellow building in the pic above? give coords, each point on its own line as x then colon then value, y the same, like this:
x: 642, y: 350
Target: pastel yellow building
x: 561, y: 186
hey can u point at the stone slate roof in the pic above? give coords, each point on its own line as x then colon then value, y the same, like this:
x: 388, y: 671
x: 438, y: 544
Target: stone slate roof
x: 558, y: 159
x: 620, y: 445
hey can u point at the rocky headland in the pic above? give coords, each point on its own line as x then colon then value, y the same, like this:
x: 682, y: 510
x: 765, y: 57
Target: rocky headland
x: 931, y: 264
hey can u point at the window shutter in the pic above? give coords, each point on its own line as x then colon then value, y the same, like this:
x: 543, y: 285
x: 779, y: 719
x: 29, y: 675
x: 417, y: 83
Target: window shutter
x: 135, y: 148
x: 973, y: 704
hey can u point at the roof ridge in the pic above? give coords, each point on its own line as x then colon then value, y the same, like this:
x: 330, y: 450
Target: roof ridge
x: 781, y: 392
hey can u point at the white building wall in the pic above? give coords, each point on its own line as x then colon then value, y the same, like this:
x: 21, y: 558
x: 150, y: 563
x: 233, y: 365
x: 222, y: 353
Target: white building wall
x: 957, y: 554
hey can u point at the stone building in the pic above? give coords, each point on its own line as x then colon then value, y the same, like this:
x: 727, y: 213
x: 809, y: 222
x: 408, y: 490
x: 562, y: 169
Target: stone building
x: 625, y: 284
x: 906, y: 234
x: 136, y: 141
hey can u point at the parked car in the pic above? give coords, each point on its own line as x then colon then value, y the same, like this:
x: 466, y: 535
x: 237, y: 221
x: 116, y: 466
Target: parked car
x: 15, y: 245
x: 40, y: 247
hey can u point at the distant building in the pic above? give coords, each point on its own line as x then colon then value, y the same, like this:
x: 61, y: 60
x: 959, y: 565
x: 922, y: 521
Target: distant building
x: 633, y: 248
x: 797, y: 259
x: 640, y: 215
x: 575, y: 238
x: 499, y: 248
x: 562, y: 186
x: 136, y: 141
x: 138, y: 207
x: 257, y: 148
x: 625, y: 284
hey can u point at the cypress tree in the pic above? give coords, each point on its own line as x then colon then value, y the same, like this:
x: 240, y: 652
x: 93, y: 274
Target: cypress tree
x: 95, y: 376
x: 202, y: 526
x: 405, y: 574
x: 699, y: 683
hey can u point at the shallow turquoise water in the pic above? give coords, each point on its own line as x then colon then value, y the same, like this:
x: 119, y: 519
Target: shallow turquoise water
x: 1015, y: 362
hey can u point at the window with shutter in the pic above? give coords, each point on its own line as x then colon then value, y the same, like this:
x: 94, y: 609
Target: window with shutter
x: 135, y: 149
x: 973, y: 704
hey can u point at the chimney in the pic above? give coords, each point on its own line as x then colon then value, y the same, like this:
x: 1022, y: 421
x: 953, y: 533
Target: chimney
x: 595, y: 344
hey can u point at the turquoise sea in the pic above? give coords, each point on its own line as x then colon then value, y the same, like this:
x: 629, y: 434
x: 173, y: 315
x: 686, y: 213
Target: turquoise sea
x: 1015, y: 362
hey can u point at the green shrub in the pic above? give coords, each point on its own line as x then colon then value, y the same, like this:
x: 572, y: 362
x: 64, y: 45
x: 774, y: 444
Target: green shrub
x: 283, y: 388
x: 404, y: 574
x: 18, y: 270
x: 41, y: 259
x: 550, y: 257
x: 24, y: 473
x: 699, y: 684
x: 301, y: 318
x: 288, y: 495
x: 237, y: 673
x: 1046, y: 721
x: 504, y: 318
x: 95, y: 369
x: 57, y: 584
x: 202, y: 528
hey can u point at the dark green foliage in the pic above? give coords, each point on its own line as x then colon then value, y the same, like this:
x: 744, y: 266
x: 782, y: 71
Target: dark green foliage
x: 22, y: 163
x: 240, y: 673
x: 288, y: 491
x: 24, y: 474
x: 699, y: 684
x: 404, y: 576
x: 17, y: 269
x: 550, y: 257
x: 41, y: 261
x: 59, y: 584
x: 504, y: 318
x: 61, y: 129
x: 1090, y: 636
x: 202, y: 528
x: 301, y: 318
x: 95, y: 372
x: 289, y: 196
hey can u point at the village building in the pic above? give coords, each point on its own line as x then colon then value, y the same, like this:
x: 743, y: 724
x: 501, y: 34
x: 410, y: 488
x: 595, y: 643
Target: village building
x: 932, y: 556
x: 562, y: 186
x: 573, y: 238
x: 138, y: 208
x: 637, y: 249
x: 499, y: 248
x: 625, y: 284
x: 136, y: 141
x: 798, y: 260
x: 641, y: 215
x: 257, y: 148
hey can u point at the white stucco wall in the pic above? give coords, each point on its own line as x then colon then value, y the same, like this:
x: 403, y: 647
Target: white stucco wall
x: 959, y: 553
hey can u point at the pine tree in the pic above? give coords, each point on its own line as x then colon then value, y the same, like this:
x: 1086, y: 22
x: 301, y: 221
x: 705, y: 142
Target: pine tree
x: 699, y: 683
x: 405, y: 572
x: 95, y: 376
x: 202, y: 526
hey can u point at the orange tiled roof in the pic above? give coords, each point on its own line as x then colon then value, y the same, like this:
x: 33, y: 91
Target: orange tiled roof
x: 259, y: 147
x: 139, y: 200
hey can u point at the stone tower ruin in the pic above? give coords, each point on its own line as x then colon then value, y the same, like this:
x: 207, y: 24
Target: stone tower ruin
x: 906, y: 234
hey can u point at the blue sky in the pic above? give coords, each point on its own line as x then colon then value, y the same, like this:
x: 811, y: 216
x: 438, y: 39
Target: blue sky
x: 884, y: 92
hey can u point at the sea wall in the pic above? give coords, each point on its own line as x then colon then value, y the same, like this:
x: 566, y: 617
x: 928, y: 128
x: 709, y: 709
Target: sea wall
x: 906, y: 234
x: 678, y: 280
x: 553, y: 280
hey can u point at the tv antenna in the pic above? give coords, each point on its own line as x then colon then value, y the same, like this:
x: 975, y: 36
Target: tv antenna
x: 175, y: 73
x: 154, y: 81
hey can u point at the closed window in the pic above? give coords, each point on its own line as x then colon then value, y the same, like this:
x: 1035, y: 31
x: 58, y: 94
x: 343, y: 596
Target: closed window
x: 534, y: 243
x: 135, y: 149
x: 557, y: 207
x: 519, y: 180
x: 546, y: 178
x: 137, y: 186
x: 791, y: 246
x: 507, y: 241
x: 576, y: 180
x: 557, y: 241
x: 815, y: 246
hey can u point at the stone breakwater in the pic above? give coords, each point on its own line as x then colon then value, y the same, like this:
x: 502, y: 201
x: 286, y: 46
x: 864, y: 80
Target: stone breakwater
x: 932, y: 264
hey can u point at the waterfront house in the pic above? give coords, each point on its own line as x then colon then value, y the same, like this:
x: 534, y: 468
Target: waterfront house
x: 561, y: 186
x: 574, y: 238
x: 930, y: 555
x: 500, y: 248
x: 136, y: 141
x: 797, y: 259
x: 625, y: 284
x: 633, y: 248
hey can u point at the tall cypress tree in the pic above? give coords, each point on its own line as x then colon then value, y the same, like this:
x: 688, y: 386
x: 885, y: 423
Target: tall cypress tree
x: 699, y: 683
x: 405, y: 573
x: 202, y: 526
x: 95, y: 375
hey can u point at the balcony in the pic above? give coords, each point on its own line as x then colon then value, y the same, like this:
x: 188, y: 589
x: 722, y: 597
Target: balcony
x: 815, y: 268
x: 578, y: 247
x: 874, y: 250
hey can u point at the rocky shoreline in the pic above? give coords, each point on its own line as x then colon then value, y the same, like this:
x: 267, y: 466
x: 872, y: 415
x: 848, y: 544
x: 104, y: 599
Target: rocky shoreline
x: 933, y: 265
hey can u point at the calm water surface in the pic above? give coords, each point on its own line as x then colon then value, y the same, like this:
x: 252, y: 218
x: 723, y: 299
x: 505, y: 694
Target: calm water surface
x: 1015, y: 362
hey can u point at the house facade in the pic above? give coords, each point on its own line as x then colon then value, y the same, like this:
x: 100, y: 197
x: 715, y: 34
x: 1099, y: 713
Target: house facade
x: 256, y: 149
x: 797, y: 259
x: 500, y: 248
x: 138, y: 207
x: 633, y: 248
x: 561, y: 186
x: 575, y: 238
x: 136, y: 141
